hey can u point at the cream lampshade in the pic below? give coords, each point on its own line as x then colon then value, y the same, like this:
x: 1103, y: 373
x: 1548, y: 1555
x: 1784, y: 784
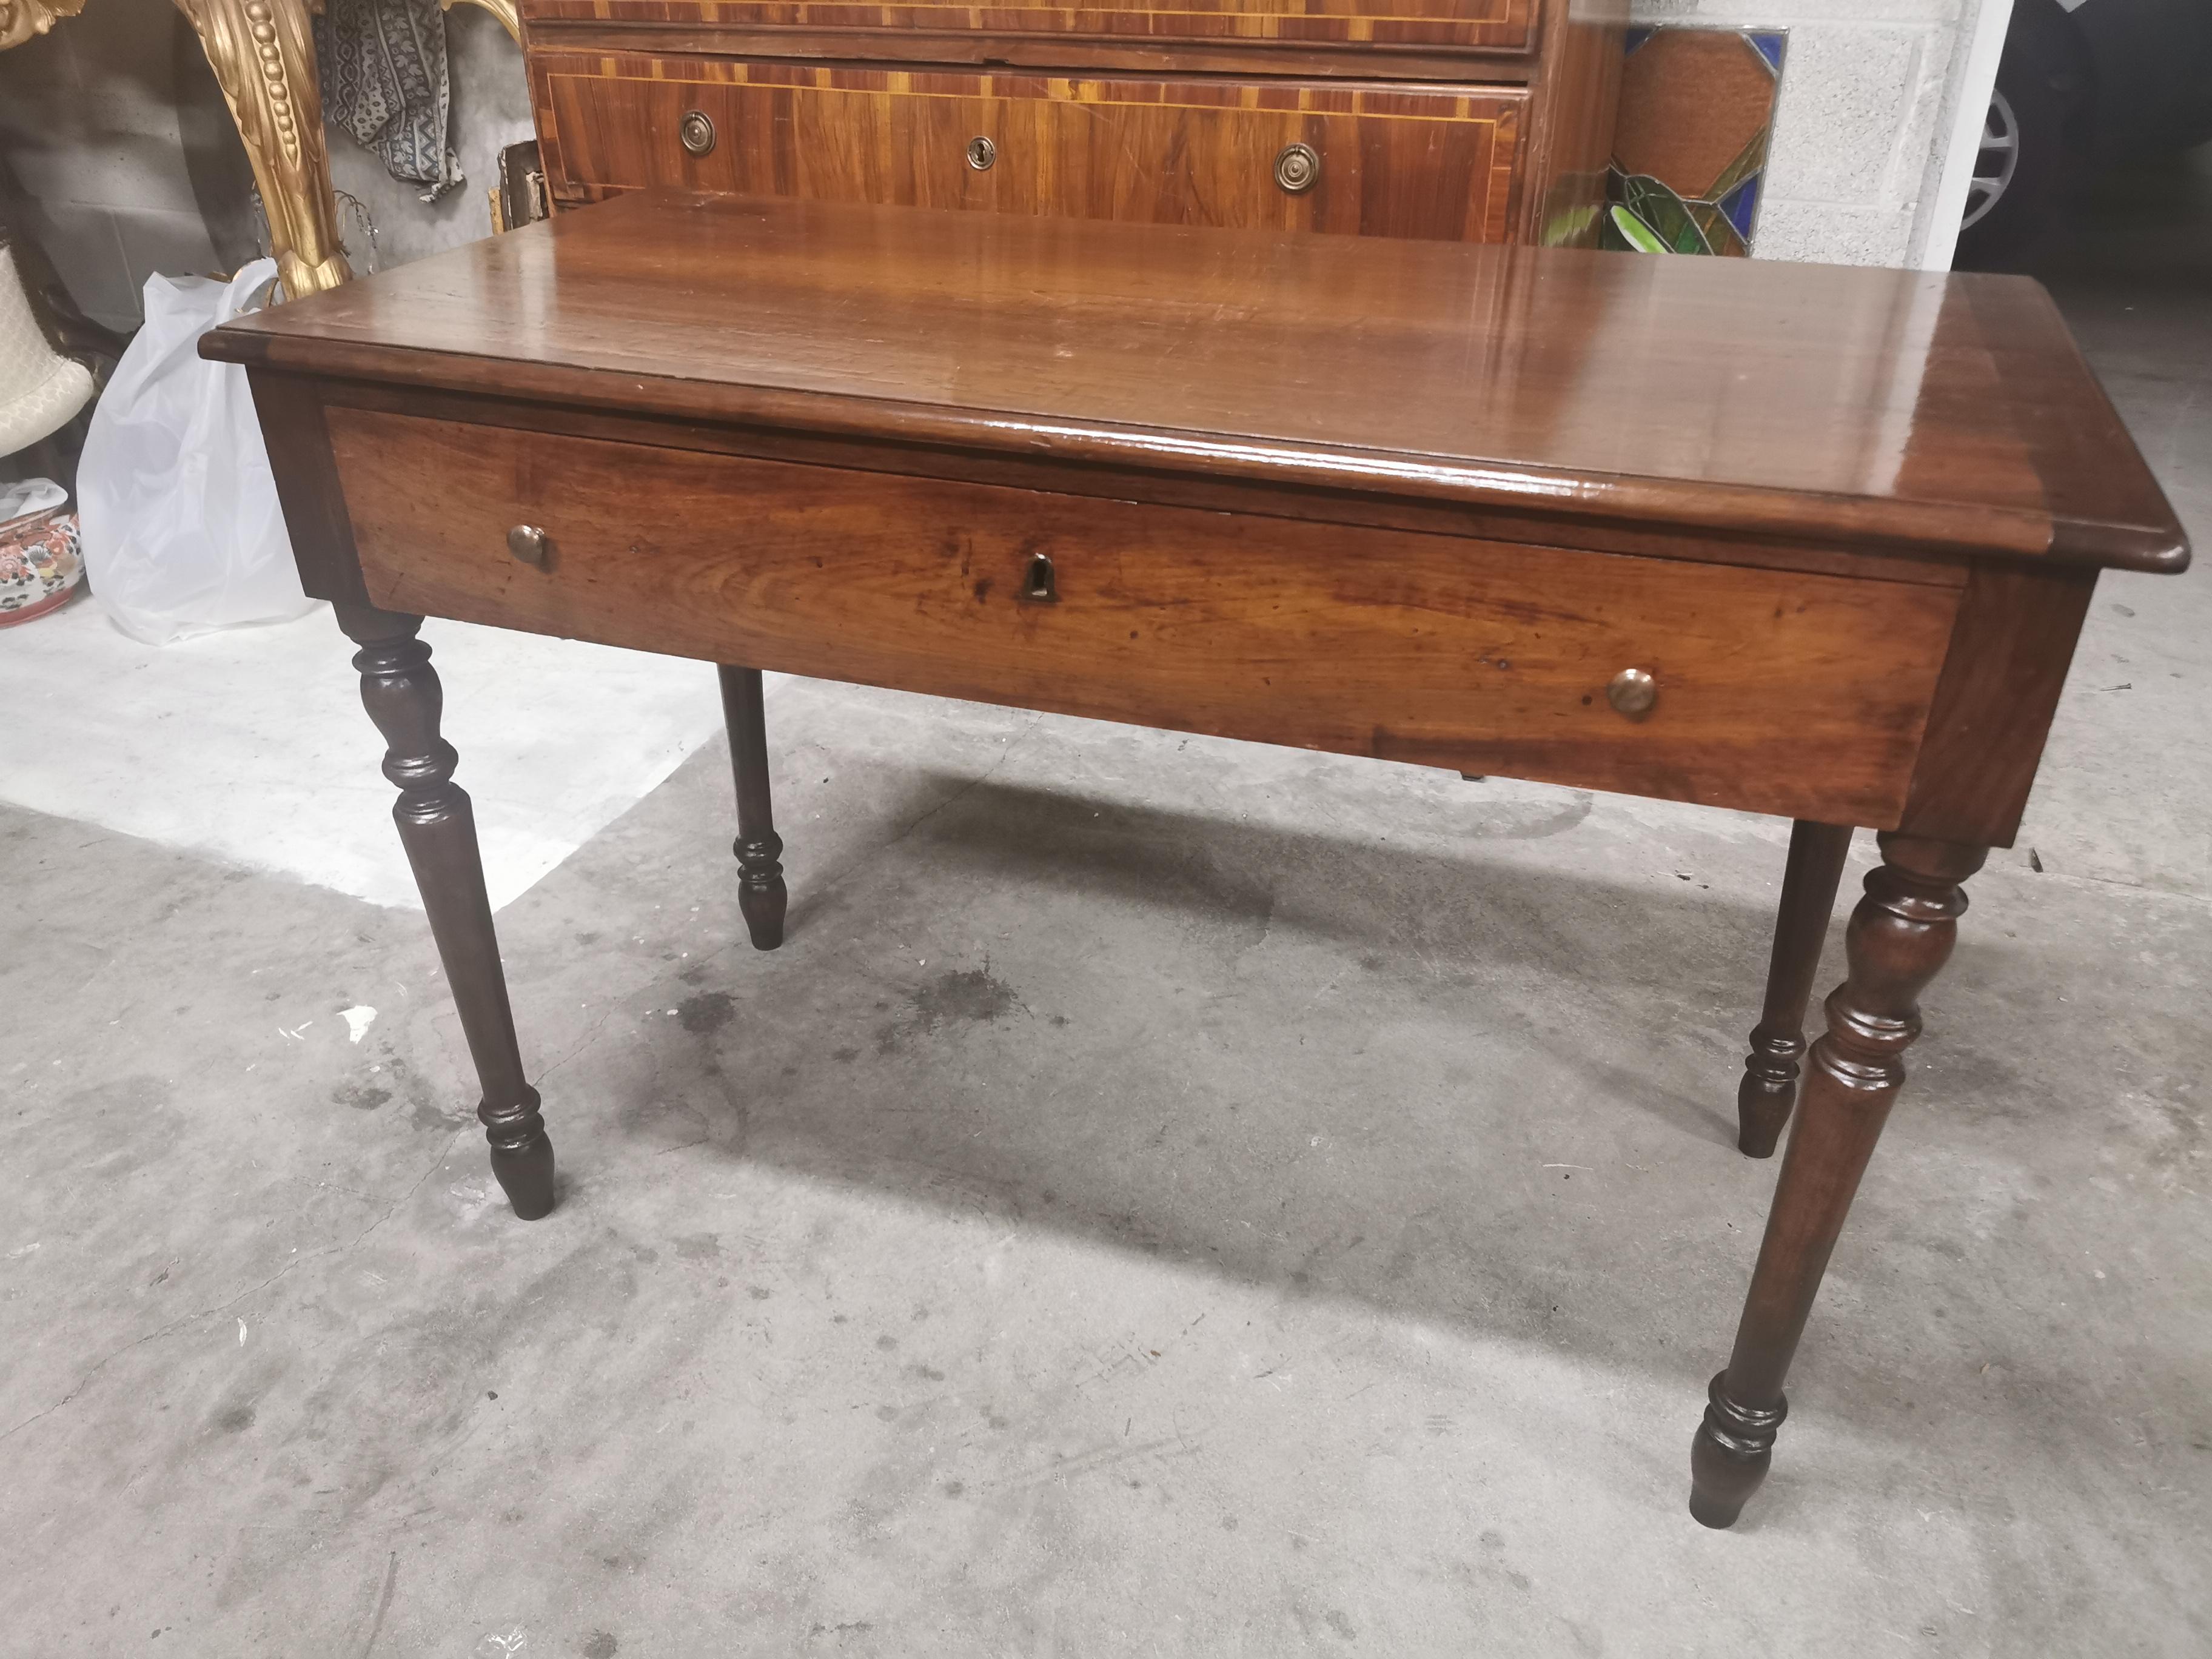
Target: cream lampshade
x: 40, y: 388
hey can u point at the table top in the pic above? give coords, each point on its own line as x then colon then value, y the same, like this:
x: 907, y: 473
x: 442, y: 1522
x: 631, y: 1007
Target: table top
x: 1897, y: 412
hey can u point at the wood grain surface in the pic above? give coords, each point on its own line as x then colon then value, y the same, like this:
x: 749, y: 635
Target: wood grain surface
x: 2003, y: 671
x: 1394, y: 161
x: 1900, y: 411
x: 1778, y: 692
x: 1043, y: 471
x: 1575, y: 95
x: 1494, y: 24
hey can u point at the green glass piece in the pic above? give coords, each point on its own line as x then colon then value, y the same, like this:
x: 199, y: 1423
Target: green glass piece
x: 1665, y: 213
x: 1570, y: 228
x: 1635, y: 236
x: 1721, y: 236
x: 1752, y: 158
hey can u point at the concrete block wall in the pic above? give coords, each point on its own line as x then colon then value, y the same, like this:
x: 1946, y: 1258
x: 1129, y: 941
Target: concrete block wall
x: 105, y: 125
x: 1870, y: 90
x: 89, y: 132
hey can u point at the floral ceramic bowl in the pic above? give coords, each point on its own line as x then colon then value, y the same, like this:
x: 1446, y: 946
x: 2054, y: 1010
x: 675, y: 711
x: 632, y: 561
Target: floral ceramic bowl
x: 39, y: 566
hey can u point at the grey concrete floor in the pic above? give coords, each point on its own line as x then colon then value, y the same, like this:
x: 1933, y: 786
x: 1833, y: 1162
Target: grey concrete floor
x: 1166, y: 1197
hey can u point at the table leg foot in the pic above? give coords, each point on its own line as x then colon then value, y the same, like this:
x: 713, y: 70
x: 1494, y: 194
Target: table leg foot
x: 1768, y: 1089
x: 1729, y: 1454
x: 521, y: 1156
x: 761, y: 897
x: 1768, y: 1093
x: 1900, y: 936
x: 437, y: 826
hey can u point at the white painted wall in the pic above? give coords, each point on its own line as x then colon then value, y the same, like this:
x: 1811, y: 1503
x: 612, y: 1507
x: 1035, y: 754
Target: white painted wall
x: 1952, y: 166
x: 1872, y: 94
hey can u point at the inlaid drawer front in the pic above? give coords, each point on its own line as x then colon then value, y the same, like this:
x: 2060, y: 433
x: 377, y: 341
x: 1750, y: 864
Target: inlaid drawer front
x: 1785, y: 692
x: 1351, y: 159
x: 1485, y: 25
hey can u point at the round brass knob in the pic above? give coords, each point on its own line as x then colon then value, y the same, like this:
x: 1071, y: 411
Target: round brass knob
x: 982, y: 152
x: 696, y: 132
x: 530, y: 544
x: 1632, y: 691
x: 1297, y: 169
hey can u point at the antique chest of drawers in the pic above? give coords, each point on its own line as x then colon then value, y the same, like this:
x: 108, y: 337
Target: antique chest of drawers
x: 1451, y: 120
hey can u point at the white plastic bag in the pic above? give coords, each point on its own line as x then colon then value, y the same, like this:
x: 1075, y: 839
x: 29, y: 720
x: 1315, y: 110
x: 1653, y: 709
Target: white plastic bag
x: 182, y: 530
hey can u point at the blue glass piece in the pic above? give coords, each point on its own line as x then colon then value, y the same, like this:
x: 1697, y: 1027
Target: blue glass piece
x: 1742, y: 206
x: 1769, y: 44
x: 1634, y: 39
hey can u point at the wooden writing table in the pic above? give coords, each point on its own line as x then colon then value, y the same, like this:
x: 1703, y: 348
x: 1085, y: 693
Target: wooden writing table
x: 1796, y: 539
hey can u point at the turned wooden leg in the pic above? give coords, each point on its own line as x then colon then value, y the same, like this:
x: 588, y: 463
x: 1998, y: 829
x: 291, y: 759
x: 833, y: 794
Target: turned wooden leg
x: 760, y: 895
x: 1769, y: 1088
x: 1899, y: 936
x: 400, y: 690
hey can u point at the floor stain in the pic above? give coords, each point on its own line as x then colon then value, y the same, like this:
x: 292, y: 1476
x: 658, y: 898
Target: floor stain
x: 965, y: 994
x: 706, y: 1013
x: 972, y: 995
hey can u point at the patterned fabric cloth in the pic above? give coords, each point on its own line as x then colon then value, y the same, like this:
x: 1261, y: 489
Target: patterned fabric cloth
x: 383, y: 81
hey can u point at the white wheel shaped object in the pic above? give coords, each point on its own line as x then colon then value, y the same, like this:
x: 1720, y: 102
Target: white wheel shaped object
x: 1996, y: 163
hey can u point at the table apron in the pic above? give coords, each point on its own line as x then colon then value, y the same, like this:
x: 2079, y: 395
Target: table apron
x: 1778, y: 691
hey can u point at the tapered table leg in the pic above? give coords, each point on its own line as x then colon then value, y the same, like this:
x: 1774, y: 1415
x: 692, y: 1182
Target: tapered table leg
x: 1769, y: 1089
x: 1899, y: 936
x: 400, y: 690
x: 761, y: 896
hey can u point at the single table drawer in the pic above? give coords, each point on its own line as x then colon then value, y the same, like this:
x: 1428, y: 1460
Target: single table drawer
x: 1778, y: 691
x: 1369, y: 161
x: 1490, y: 26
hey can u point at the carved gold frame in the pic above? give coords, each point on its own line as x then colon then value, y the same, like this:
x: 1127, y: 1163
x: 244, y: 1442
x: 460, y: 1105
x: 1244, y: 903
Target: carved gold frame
x: 262, y: 52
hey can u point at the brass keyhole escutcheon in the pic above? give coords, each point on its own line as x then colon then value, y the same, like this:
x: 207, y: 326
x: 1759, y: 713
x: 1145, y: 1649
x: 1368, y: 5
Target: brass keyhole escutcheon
x: 1297, y: 169
x: 982, y: 152
x: 530, y: 544
x: 696, y: 132
x: 1037, y: 583
x: 1632, y: 692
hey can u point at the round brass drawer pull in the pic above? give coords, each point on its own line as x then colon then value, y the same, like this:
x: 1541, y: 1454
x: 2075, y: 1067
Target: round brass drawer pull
x: 530, y: 544
x: 1632, y: 691
x: 982, y: 152
x: 1297, y: 169
x: 696, y: 132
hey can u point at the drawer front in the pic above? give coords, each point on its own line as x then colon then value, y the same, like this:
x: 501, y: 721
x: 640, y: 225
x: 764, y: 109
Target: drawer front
x: 1377, y: 161
x: 1494, y: 26
x: 1776, y: 691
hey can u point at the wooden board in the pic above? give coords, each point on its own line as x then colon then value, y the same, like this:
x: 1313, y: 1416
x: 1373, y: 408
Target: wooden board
x: 1491, y: 25
x: 1778, y: 692
x: 1901, y: 412
x: 1418, y: 162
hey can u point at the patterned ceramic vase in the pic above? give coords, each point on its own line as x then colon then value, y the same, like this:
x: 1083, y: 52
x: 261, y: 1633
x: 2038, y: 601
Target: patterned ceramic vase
x: 39, y: 568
